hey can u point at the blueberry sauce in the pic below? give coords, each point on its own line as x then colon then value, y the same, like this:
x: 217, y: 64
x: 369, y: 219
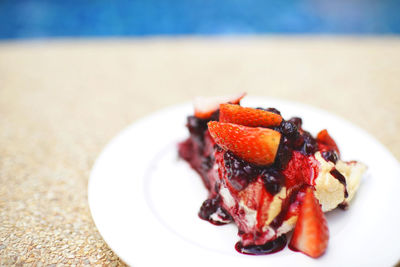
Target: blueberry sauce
x: 213, y: 206
x: 303, y: 142
x: 273, y: 180
x: 296, y: 121
x: 289, y: 129
x: 335, y: 173
x: 310, y: 145
x: 185, y: 150
x: 207, y: 163
x: 198, y: 126
x: 270, y: 247
x: 196, y: 149
x: 239, y: 172
x: 293, y: 137
x: 330, y: 155
x: 284, y: 153
x: 285, y: 208
x: 343, y: 206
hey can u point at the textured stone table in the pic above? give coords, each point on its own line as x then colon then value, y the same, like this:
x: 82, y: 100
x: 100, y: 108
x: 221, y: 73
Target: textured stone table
x: 62, y: 101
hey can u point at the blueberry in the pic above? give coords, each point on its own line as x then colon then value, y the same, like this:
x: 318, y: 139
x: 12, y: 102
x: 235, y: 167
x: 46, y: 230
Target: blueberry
x: 310, y: 145
x: 284, y: 153
x: 289, y: 129
x: 239, y: 172
x: 296, y: 121
x: 273, y: 180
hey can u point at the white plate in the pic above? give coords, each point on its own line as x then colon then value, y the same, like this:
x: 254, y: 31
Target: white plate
x: 144, y: 200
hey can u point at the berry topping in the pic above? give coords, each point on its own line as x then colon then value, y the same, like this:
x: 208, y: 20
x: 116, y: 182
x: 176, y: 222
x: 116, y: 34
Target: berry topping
x: 296, y: 170
x: 289, y: 129
x: 296, y: 121
x: 255, y: 145
x: 248, y: 116
x: 311, y: 232
x: 239, y: 172
x: 310, y: 145
x: 205, y: 107
x: 330, y: 155
x: 335, y: 173
x: 253, y: 195
x: 273, y: 180
x: 212, y: 206
x: 284, y: 153
x: 196, y: 126
x: 326, y: 142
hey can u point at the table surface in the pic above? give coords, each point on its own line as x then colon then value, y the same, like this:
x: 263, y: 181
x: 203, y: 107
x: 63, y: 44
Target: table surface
x: 62, y: 101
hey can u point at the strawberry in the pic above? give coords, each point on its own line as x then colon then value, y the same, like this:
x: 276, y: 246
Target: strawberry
x: 252, y: 194
x: 205, y: 107
x: 255, y: 197
x: 255, y: 145
x: 301, y: 169
x: 248, y: 116
x: 326, y: 142
x: 294, y: 208
x: 264, y: 208
x: 311, y: 234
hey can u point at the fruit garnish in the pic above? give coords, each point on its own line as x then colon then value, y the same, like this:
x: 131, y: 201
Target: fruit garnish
x: 326, y: 142
x: 255, y: 197
x: 300, y: 170
x: 204, y: 107
x: 252, y: 194
x: 311, y: 234
x: 255, y: 145
x: 248, y: 116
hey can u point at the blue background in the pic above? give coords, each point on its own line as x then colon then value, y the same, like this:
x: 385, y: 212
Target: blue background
x: 102, y: 18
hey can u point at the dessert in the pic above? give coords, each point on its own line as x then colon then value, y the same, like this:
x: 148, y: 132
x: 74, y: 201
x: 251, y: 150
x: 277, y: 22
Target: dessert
x: 267, y: 175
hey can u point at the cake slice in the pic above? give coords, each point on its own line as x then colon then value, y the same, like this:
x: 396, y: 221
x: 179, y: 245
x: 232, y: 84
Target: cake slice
x: 258, y: 169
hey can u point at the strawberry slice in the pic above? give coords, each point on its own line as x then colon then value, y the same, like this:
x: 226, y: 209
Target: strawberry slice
x: 255, y: 145
x: 311, y: 234
x: 326, y: 142
x: 248, y: 116
x: 264, y: 208
x: 255, y: 197
x: 301, y: 169
x: 252, y: 194
x: 204, y: 107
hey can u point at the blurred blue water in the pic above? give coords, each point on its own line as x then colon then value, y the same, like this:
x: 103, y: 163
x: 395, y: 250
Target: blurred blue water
x: 90, y: 18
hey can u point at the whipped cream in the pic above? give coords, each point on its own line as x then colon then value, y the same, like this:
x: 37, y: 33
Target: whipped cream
x: 328, y: 190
